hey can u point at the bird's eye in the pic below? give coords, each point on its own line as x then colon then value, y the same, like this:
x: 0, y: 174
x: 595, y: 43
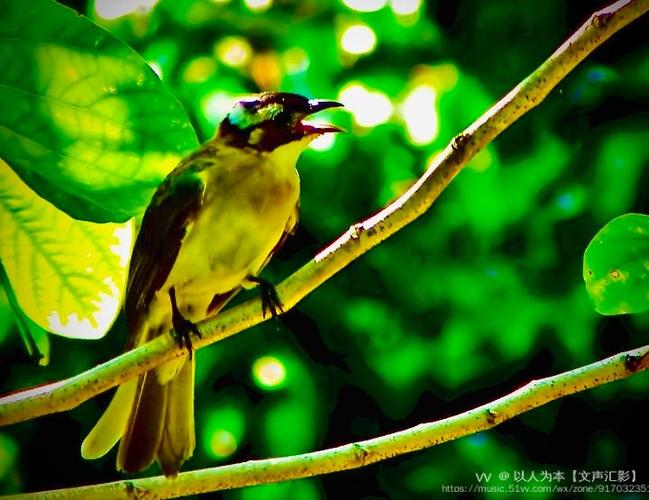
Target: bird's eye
x: 283, y: 118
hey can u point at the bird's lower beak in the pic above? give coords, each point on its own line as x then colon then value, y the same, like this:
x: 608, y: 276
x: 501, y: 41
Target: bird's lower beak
x: 316, y: 105
x: 319, y: 128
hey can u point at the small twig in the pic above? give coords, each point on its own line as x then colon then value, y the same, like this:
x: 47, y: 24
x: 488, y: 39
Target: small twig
x: 355, y: 455
x: 357, y: 240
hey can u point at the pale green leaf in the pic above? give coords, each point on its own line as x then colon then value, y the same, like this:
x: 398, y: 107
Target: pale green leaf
x: 68, y: 275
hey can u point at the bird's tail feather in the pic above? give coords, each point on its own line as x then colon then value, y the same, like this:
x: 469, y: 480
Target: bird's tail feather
x: 110, y: 427
x: 154, y: 421
x: 178, y: 436
x: 152, y: 414
x: 161, y: 425
x: 138, y: 446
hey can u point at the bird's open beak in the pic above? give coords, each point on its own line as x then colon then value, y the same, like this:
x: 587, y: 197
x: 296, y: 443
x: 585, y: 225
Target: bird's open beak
x: 314, y: 106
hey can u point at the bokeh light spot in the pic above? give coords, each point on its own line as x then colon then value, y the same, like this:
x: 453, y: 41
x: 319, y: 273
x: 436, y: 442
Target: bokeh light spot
x: 269, y: 372
x: 234, y: 51
x: 405, y: 7
x: 571, y: 201
x: 365, y: 5
x: 295, y: 60
x: 199, y: 69
x: 266, y: 71
x: 114, y: 9
x: 482, y: 161
x: 358, y: 39
x: 222, y: 443
x: 566, y: 201
x: 217, y: 104
x: 258, y: 5
x: 369, y: 108
x: 324, y: 142
x: 419, y: 112
x: 223, y: 430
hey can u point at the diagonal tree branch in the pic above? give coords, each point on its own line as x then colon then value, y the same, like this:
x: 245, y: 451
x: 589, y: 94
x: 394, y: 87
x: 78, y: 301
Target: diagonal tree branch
x: 357, y: 240
x: 355, y: 455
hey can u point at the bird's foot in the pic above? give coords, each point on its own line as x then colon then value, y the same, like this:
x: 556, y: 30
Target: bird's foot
x: 269, y: 299
x: 183, y: 328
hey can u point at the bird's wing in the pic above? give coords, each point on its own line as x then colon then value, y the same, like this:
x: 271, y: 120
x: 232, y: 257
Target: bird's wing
x: 289, y: 230
x: 166, y: 221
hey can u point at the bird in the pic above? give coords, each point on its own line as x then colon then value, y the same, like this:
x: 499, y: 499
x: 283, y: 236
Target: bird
x: 210, y: 228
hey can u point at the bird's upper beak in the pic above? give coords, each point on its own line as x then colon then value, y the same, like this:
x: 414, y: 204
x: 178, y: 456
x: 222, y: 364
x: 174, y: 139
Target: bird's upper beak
x: 315, y: 105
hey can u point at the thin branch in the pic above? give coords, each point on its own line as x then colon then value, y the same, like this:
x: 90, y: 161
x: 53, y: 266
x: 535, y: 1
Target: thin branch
x: 358, y: 239
x: 355, y: 455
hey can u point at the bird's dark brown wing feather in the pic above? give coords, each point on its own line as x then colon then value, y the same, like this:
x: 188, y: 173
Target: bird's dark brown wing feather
x: 173, y: 207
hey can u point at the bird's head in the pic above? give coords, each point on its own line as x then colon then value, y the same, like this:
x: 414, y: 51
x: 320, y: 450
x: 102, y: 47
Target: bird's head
x: 273, y: 119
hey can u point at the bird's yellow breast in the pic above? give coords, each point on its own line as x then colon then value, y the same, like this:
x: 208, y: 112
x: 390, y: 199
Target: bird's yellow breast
x: 249, y: 201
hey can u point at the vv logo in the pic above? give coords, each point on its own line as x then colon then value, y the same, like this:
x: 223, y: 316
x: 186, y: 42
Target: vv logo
x: 483, y: 477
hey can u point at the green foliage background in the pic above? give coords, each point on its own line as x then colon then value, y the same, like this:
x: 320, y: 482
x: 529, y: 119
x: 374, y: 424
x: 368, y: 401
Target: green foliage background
x: 480, y: 295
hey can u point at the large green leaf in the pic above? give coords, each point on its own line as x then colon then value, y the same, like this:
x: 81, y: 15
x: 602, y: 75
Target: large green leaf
x: 616, y: 265
x: 85, y: 122
x: 68, y: 276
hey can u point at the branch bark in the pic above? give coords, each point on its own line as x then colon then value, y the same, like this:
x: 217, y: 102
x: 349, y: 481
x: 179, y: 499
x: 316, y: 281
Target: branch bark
x: 358, y: 239
x: 355, y: 455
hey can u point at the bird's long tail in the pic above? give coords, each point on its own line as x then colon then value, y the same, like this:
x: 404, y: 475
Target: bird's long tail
x: 153, y: 416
